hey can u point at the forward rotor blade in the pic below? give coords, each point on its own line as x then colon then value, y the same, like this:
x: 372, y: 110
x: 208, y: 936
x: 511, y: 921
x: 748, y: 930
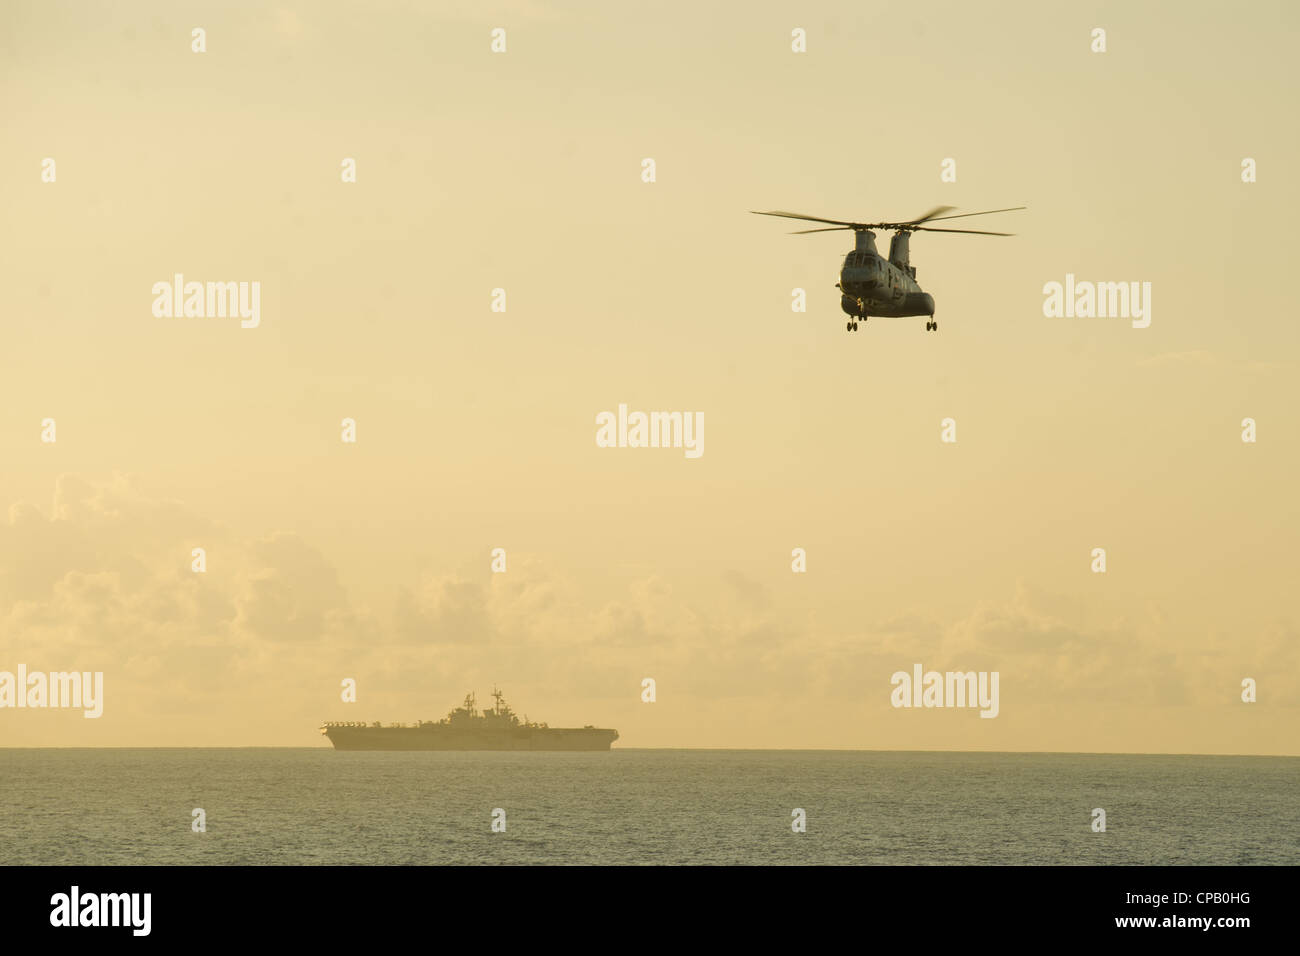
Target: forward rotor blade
x: 969, y: 232
x: 804, y: 232
x: 988, y: 212
x: 797, y: 215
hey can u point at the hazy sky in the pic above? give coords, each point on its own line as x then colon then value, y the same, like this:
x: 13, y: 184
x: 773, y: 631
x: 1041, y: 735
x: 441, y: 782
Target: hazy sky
x: 475, y: 430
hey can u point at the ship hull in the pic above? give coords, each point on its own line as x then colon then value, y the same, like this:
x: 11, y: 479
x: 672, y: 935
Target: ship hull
x: 446, y: 738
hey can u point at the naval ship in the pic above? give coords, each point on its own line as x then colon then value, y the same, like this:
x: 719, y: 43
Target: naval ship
x: 466, y: 729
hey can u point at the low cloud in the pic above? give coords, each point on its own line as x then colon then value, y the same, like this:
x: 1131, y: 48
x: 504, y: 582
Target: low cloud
x: 255, y: 649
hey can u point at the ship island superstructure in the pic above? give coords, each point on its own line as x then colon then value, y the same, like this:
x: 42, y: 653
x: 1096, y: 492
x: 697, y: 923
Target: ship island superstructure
x: 466, y: 728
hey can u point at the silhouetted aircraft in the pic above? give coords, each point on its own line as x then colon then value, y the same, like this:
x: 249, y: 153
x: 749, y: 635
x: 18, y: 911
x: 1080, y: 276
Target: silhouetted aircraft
x: 873, y: 285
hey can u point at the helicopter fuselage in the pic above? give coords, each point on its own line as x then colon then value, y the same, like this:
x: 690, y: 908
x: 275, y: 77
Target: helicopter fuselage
x: 870, y: 284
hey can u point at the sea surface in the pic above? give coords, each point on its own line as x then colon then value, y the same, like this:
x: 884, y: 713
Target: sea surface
x: 320, y: 806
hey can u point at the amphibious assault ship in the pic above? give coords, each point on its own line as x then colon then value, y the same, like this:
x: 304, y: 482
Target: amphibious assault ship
x: 467, y: 729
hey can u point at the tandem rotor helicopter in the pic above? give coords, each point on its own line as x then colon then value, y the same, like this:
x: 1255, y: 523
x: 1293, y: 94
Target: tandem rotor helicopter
x: 873, y: 285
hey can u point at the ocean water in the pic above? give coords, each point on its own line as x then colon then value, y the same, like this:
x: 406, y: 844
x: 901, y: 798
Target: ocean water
x: 317, y: 806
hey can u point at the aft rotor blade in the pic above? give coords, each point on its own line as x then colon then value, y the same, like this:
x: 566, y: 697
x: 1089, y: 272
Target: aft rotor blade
x: 970, y: 232
x: 804, y: 232
x: 797, y: 215
x: 988, y: 212
x: 934, y: 214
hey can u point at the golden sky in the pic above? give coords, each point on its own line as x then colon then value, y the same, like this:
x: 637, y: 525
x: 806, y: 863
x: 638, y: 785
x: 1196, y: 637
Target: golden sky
x: 475, y: 430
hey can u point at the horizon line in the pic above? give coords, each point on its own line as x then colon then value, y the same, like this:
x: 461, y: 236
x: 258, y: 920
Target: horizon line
x: 1014, y: 753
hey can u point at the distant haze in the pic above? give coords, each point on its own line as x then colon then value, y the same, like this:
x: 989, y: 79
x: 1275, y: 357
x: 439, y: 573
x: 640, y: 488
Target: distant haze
x: 476, y: 430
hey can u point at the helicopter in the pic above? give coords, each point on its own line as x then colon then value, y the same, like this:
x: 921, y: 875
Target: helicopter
x: 873, y: 285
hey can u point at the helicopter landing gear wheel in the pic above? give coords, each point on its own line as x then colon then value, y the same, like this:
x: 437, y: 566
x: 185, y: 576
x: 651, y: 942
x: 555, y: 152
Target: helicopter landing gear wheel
x: 932, y: 326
